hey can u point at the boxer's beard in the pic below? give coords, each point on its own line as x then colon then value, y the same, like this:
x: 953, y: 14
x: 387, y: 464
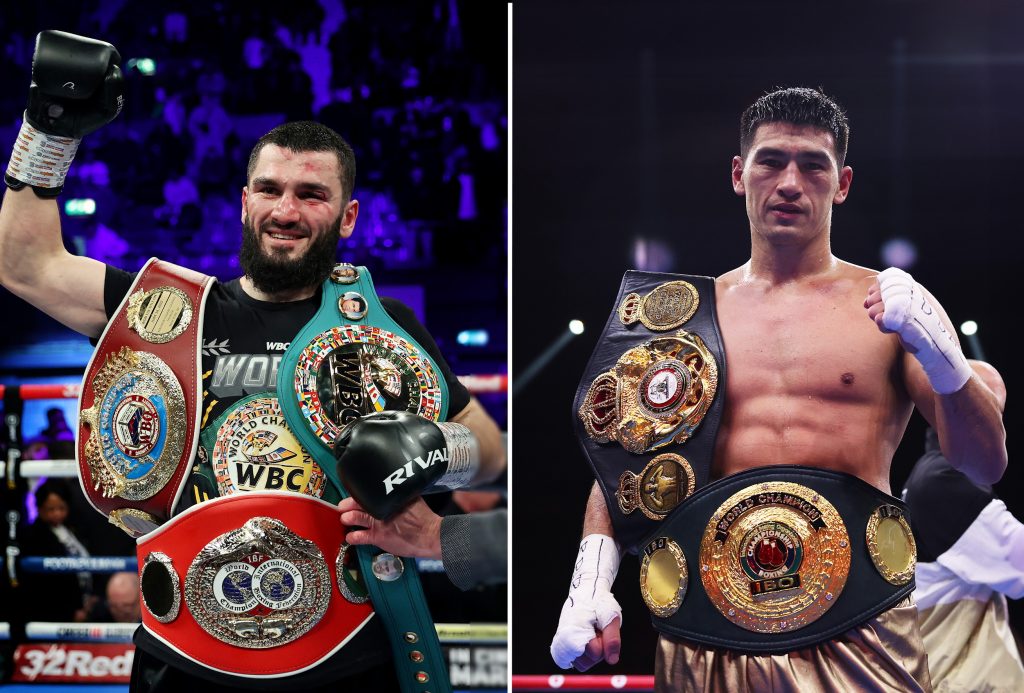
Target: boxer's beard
x: 275, y: 274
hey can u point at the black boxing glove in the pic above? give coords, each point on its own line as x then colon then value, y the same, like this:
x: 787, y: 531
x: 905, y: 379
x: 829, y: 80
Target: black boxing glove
x: 387, y: 459
x: 76, y: 88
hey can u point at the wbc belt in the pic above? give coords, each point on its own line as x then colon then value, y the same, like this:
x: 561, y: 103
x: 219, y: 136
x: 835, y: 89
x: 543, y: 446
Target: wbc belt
x: 648, y: 406
x: 253, y: 584
x: 350, y: 360
x: 138, y: 411
x: 775, y: 559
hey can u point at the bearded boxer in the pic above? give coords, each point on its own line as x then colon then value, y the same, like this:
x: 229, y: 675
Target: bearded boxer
x: 296, y: 206
x: 824, y: 362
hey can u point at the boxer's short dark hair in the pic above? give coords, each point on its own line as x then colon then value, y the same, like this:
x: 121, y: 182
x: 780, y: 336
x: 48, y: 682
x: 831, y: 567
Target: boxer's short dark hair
x: 308, y: 136
x: 798, y: 106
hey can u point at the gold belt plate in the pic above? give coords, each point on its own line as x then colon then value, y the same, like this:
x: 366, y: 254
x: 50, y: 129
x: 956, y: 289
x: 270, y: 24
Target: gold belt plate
x: 774, y: 557
x: 136, y: 437
x: 664, y: 483
x: 666, y: 307
x: 656, y: 394
x: 891, y: 544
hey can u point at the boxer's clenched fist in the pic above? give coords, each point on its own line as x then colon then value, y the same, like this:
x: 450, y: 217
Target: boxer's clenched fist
x: 898, y: 304
x: 588, y: 627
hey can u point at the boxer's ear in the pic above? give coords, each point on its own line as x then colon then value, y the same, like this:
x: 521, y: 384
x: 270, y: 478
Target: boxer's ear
x: 737, y: 176
x: 348, y: 218
x: 845, y: 178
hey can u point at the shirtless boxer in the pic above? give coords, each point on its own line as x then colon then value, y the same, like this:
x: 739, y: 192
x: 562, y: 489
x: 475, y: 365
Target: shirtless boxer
x: 826, y: 361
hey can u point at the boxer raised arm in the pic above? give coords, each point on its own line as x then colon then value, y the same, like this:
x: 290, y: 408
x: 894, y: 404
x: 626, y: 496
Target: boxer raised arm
x: 942, y: 385
x: 76, y: 88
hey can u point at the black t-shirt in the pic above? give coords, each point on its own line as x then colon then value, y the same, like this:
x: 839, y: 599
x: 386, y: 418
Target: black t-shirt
x: 244, y: 341
x: 942, y: 502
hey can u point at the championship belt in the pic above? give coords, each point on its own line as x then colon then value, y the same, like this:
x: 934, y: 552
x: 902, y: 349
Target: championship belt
x: 254, y: 584
x: 352, y: 359
x: 646, y: 411
x: 138, y: 412
x: 775, y: 559
x: 250, y: 447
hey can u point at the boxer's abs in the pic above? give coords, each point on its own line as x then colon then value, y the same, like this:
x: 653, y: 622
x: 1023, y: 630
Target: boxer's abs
x: 811, y: 381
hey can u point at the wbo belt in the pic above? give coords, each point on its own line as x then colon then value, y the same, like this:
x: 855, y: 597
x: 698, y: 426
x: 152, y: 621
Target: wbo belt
x: 258, y: 585
x: 349, y: 360
x: 775, y: 559
x: 138, y: 412
x: 647, y: 409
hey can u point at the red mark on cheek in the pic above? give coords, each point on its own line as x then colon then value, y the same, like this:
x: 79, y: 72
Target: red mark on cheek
x: 847, y: 378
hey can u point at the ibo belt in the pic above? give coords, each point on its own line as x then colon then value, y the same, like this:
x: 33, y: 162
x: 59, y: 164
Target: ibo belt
x: 138, y: 410
x: 777, y: 558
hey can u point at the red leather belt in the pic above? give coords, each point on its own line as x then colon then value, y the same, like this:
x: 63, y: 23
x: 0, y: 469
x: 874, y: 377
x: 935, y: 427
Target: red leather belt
x: 138, y: 411
x: 252, y: 584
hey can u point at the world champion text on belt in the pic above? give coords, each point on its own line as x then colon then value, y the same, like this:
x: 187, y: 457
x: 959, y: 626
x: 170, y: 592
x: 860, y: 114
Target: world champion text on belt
x: 256, y: 450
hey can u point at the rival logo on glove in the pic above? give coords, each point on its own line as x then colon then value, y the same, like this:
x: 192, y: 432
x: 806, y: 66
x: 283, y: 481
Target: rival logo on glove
x: 406, y: 471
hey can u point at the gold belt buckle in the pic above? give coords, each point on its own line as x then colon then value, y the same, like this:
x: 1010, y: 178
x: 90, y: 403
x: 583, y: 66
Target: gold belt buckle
x: 774, y: 557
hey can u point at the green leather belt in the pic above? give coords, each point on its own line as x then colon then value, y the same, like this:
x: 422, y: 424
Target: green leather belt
x: 352, y: 359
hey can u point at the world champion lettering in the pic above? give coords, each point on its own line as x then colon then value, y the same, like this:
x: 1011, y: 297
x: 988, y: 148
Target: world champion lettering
x: 796, y: 502
x: 406, y: 471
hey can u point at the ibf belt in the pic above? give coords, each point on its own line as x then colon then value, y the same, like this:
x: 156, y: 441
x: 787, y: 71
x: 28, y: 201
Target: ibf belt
x: 138, y: 409
x: 648, y: 407
x: 775, y: 559
x: 353, y: 359
x: 255, y: 584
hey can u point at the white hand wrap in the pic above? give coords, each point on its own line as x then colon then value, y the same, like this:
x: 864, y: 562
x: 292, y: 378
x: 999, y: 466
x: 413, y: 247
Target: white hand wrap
x: 908, y: 313
x: 590, y: 606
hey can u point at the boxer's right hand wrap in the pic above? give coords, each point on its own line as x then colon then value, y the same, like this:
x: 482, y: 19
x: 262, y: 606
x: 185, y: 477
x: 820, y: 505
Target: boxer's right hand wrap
x: 76, y: 88
x: 387, y: 459
x: 590, y: 606
x: 909, y: 314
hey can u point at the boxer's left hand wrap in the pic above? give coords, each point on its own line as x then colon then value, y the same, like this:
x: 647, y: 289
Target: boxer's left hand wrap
x: 908, y: 313
x: 387, y: 459
x: 590, y: 606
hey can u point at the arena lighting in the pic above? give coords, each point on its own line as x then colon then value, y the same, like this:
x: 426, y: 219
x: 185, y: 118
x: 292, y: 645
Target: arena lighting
x: 80, y: 207
x: 145, y: 66
x: 473, y: 338
x: 899, y: 252
x: 521, y: 380
x: 969, y: 329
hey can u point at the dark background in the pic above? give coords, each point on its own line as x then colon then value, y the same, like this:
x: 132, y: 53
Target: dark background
x: 627, y: 116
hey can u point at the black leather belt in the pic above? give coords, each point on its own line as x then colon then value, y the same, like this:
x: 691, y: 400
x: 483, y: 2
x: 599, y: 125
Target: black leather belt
x: 775, y: 559
x: 649, y: 386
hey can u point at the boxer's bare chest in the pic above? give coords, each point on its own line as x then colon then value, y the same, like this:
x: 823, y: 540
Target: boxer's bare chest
x: 810, y: 378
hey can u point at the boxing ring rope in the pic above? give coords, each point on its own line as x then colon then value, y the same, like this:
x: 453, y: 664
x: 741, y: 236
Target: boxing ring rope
x: 448, y: 633
x: 582, y: 682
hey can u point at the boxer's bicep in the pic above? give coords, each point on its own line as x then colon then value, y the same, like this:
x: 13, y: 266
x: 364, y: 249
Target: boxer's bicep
x: 70, y: 290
